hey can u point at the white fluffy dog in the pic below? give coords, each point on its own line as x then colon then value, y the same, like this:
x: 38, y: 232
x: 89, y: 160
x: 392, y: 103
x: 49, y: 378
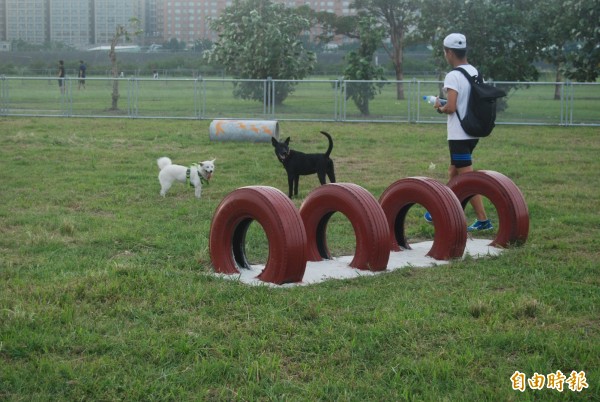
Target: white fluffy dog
x: 170, y: 173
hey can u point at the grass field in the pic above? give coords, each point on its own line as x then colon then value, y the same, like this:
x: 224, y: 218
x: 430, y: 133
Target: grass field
x: 318, y: 99
x: 106, y: 291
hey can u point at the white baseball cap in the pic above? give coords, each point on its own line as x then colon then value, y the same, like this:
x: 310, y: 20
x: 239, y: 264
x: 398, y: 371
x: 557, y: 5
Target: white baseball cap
x: 455, y: 41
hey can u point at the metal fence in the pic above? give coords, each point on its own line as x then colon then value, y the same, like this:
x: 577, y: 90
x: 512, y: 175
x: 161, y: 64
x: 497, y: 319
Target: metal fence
x: 527, y: 103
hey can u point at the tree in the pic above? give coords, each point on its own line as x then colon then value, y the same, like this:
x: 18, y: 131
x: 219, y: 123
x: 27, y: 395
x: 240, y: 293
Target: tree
x: 360, y: 65
x: 202, y: 45
x: 120, y: 32
x: 499, y: 39
x: 399, y: 17
x: 331, y: 24
x: 569, y: 38
x: 258, y: 40
x: 553, y: 23
x: 583, y: 64
x: 174, y: 45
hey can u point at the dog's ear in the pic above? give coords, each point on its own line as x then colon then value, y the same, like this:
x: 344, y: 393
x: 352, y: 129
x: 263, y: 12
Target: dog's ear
x: 274, y: 141
x: 287, y: 141
x: 214, y: 159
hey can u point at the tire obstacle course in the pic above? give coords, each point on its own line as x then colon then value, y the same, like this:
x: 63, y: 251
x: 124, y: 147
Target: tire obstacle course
x: 513, y: 215
x: 296, y: 236
x: 449, y: 221
x: 282, y: 224
x: 361, y: 209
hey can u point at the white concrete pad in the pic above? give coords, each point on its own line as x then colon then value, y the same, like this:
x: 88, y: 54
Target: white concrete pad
x: 338, y: 268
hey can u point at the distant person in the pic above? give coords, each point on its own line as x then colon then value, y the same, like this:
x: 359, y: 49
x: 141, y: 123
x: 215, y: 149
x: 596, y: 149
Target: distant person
x: 81, y: 75
x: 460, y: 144
x: 155, y: 74
x: 61, y: 76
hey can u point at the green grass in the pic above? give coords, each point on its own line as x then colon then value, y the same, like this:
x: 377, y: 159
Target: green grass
x: 311, y: 100
x: 106, y: 292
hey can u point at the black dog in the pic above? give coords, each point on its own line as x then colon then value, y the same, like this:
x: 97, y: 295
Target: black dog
x: 298, y: 163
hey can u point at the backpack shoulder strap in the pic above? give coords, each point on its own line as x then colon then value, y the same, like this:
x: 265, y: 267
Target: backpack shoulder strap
x: 471, y: 79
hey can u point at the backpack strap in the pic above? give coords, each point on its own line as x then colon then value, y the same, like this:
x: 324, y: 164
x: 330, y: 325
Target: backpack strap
x: 472, y: 81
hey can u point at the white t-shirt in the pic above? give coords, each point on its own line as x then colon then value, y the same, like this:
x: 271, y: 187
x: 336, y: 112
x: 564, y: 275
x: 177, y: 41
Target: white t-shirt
x: 457, y: 81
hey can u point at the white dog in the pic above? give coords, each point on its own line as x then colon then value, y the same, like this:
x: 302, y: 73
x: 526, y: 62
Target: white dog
x: 169, y: 173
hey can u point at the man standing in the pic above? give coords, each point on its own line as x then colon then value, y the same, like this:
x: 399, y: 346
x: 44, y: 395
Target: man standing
x: 461, y: 145
x: 82, y: 69
x: 61, y: 76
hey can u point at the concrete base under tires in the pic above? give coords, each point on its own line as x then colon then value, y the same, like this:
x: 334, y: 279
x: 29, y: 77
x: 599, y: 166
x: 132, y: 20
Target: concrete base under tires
x: 338, y: 267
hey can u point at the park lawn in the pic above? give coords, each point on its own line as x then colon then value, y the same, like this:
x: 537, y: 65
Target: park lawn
x: 317, y: 99
x: 106, y: 291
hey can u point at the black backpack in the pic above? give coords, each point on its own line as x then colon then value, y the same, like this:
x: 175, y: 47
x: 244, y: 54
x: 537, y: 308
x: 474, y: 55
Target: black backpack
x: 479, y: 121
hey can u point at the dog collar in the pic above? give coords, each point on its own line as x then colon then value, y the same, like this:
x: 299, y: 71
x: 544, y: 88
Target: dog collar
x: 202, y: 179
x: 187, y: 176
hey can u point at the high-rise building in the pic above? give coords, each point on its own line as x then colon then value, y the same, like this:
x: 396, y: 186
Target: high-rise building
x: 188, y: 21
x: 26, y: 20
x: 2, y: 20
x: 108, y: 14
x: 153, y: 22
x: 339, y: 7
x: 70, y: 22
x: 82, y: 23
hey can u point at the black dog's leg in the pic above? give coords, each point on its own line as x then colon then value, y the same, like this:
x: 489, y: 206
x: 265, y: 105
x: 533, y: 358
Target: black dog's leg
x: 296, y: 181
x: 331, y: 173
x: 321, y: 176
x: 291, y: 185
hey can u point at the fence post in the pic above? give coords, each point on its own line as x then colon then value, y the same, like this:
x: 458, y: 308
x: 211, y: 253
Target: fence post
x: 3, y: 95
x: 338, y: 99
x: 199, y: 90
x: 272, y: 96
x: 269, y: 99
x: 344, y: 99
x: 562, y: 104
x: 570, y: 102
x: 416, y: 99
x: 132, y: 97
x: 66, y: 98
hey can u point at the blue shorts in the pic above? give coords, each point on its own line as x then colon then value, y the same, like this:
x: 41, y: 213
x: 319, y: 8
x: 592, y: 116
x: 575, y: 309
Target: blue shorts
x: 461, y: 152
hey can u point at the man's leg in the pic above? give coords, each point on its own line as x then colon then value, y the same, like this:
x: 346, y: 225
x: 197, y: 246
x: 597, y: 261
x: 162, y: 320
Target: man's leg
x: 476, y: 201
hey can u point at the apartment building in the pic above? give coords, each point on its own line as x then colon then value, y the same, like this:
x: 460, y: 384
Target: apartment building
x: 2, y: 20
x: 153, y: 21
x: 69, y: 22
x: 77, y: 23
x: 339, y: 7
x: 26, y: 20
x: 108, y: 14
x: 85, y: 23
x: 188, y: 21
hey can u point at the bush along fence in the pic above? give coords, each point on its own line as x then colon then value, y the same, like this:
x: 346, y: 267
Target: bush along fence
x: 527, y: 103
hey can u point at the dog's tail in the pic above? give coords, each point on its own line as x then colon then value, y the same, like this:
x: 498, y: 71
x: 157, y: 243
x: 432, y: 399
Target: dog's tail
x: 330, y: 143
x: 163, y: 162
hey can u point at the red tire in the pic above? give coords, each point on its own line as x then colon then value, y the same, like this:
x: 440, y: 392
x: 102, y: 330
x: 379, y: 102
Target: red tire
x: 283, y: 227
x: 513, y: 215
x: 450, y: 236
x: 364, y: 213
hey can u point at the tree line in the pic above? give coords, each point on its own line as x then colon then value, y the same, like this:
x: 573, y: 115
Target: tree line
x: 258, y: 39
